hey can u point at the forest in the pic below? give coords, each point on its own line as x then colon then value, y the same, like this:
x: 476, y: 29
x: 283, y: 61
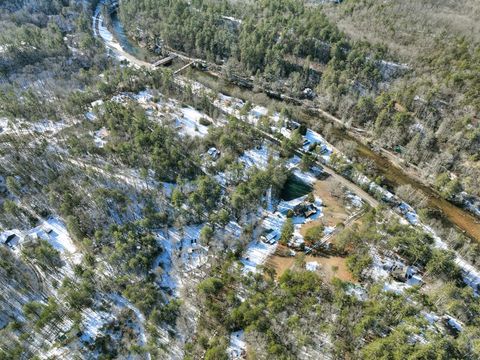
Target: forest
x: 420, y: 105
x: 142, y: 213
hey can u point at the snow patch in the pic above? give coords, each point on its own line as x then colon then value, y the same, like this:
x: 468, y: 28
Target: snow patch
x: 93, y: 321
x: 237, y: 347
x: 189, y: 122
x: 256, y: 254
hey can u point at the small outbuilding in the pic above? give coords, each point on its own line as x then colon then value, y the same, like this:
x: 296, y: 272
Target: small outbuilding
x: 305, y: 210
x: 213, y: 153
x: 269, y: 237
x: 9, y: 238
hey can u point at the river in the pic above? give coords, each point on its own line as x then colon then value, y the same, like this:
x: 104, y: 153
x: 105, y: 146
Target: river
x: 393, y: 175
x: 114, y: 28
x: 119, y: 33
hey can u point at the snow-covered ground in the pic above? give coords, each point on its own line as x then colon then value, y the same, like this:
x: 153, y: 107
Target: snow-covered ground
x: 228, y: 104
x: 21, y: 127
x: 55, y: 232
x: 256, y: 113
x: 59, y: 238
x: 233, y: 106
x: 307, y: 177
x: 100, y: 136
x: 237, y: 347
x: 182, y: 253
x: 189, y: 122
x: 470, y: 202
x: 186, y: 118
x: 92, y: 323
x: 312, y: 266
x: 355, y: 200
x: 122, y: 302
x: 315, y: 138
x: 471, y: 276
x: 144, y: 97
x: 258, y: 157
x: 382, y: 268
x: 257, y: 252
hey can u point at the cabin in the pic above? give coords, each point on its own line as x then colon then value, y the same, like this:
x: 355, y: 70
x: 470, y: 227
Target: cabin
x: 452, y: 324
x: 10, y: 238
x: 96, y: 103
x: 308, y: 93
x: 304, y: 209
x: 90, y: 116
x: 269, y: 237
x: 399, y: 273
x: 406, y: 274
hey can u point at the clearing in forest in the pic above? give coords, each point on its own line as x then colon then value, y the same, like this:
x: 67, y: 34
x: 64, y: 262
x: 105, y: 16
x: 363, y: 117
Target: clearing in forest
x: 327, y: 267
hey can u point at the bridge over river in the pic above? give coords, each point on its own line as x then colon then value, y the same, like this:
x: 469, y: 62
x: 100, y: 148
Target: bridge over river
x: 118, y: 42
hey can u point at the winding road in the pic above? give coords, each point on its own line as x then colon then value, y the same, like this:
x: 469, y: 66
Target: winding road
x: 111, y: 43
x: 472, y: 275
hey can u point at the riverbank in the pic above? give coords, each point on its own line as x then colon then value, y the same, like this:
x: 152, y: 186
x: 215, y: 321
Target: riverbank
x: 100, y: 30
x: 394, y: 174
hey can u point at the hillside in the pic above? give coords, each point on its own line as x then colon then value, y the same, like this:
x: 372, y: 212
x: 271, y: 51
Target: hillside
x: 203, y: 180
x: 408, y: 28
x: 413, y: 85
x: 439, y: 42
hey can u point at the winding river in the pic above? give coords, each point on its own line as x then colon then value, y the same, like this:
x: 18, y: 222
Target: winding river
x: 393, y: 175
x: 121, y: 37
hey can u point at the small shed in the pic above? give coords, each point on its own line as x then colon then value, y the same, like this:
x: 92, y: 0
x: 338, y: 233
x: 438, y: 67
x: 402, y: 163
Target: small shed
x: 213, y: 153
x: 9, y: 238
x: 292, y: 125
x: 407, y: 274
